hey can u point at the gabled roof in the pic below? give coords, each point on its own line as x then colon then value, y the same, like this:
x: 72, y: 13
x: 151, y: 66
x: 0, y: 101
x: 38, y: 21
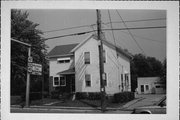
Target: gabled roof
x: 62, y: 50
x: 66, y: 72
x: 118, y: 49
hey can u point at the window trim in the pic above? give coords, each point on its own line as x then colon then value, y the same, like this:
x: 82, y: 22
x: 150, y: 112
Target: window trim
x: 60, y: 80
x: 90, y: 80
x: 54, y: 81
x: 63, y: 60
x: 89, y: 57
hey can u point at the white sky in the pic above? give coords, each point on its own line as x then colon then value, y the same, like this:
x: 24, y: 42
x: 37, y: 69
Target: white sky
x: 152, y: 41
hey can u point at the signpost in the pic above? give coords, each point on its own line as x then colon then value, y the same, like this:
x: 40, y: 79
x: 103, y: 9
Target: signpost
x: 36, y: 69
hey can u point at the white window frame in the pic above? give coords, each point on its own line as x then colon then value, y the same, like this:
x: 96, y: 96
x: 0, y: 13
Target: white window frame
x: 89, y: 57
x: 54, y: 81
x: 60, y: 80
x: 63, y: 59
x: 90, y: 80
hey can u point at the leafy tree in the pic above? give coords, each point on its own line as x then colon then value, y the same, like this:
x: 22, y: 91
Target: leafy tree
x: 26, y: 31
x: 142, y: 66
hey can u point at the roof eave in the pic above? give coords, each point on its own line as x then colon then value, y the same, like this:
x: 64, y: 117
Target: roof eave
x: 65, y: 55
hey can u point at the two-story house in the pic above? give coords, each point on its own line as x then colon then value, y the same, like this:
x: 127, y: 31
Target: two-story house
x: 75, y: 67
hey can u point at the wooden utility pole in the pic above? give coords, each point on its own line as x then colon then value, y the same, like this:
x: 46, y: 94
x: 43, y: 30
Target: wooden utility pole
x: 28, y: 74
x: 28, y: 81
x: 101, y: 63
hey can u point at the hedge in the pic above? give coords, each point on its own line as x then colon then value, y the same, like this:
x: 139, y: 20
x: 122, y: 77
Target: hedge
x: 32, y: 96
x: 88, y: 95
x: 123, y: 97
x: 55, y: 94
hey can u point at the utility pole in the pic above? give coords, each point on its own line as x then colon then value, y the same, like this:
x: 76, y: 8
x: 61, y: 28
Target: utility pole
x: 28, y: 74
x: 28, y: 81
x: 101, y: 63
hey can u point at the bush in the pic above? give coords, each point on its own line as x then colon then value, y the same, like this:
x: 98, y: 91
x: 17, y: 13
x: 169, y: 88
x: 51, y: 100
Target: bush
x: 88, y: 95
x: 55, y: 94
x: 32, y: 96
x: 123, y: 97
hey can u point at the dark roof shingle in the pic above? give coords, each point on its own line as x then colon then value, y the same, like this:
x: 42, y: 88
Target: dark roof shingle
x: 61, y: 50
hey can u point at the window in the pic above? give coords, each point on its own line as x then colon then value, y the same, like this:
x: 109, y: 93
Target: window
x: 63, y: 60
x: 122, y: 80
x: 105, y: 79
x: 142, y: 88
x: 56, y: 81
x: 158, y: 86
x: 62, y: 81
x: 87, y: 58
x: 88, y: 80
x: 147, y: 87
x: 104, y: 56
x: 126, y: 79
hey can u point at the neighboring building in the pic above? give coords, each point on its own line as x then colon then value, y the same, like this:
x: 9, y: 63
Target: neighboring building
x: 75, y: 67
x: 150, y: 85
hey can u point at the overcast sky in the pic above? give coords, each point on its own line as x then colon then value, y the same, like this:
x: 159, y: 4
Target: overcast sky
x: 151, y: 41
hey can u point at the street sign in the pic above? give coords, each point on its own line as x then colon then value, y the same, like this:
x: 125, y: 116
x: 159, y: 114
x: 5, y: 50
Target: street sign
x: 35, y: 69
x: 30, y: 59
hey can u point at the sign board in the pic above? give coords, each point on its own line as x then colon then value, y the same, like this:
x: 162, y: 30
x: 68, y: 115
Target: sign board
x: 35, y: 69
x: 30, y: 59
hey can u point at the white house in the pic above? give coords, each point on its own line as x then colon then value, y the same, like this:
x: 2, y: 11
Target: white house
x: 150, y: 85
x: 75, y: 67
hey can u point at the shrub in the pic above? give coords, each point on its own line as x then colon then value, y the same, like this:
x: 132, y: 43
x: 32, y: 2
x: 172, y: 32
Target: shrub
x: 55, y: 94
x: 88, y: 95
x: 32, y: 96
x: 123, y: 97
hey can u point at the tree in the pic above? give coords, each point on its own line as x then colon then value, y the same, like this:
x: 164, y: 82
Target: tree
x: 142, y: 66
x: 26, y: 31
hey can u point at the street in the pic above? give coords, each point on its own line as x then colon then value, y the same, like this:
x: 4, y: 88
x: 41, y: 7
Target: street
x: 140, y: 100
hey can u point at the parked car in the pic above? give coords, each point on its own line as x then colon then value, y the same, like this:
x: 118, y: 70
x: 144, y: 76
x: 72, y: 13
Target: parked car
x: 157, y: 108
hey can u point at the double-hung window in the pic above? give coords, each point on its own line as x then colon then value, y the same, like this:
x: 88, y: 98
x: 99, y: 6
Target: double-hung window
x: 88, y: 80
x: 56, y: 81
x: 62, y: 81
x: 86, y: 57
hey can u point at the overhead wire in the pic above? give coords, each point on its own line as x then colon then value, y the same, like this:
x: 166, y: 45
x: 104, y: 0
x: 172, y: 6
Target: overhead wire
x: 81, y: 33
x: 112, y: 28
x: 131, y: 33
x: 81, y: 26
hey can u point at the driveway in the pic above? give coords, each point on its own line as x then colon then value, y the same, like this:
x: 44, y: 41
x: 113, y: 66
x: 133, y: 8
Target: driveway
x: 143, y: 100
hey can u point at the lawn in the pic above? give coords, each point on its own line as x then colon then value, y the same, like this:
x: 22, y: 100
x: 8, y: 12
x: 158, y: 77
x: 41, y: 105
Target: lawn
x: 75, y: 103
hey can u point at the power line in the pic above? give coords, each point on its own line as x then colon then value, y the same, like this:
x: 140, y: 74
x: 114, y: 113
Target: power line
x: 68, y: 28
x: 81, y: 33
x: 138, y: 20
x: 131, y: 33
x: 112, y: 28
x: 81, y: 26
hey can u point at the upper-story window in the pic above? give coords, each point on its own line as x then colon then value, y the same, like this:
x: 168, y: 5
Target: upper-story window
x: 63, y: 60
x: 86, y: 57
